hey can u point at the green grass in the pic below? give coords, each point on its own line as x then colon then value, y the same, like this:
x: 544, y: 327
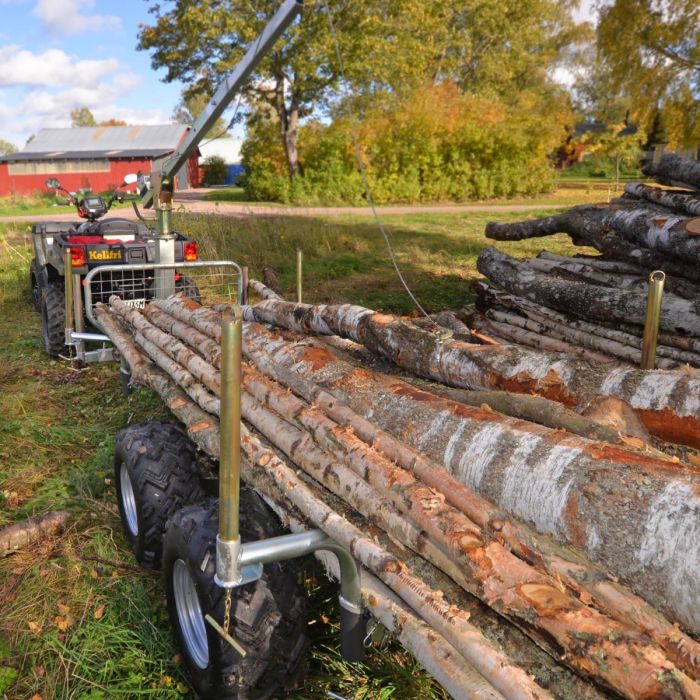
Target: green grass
x: 79, y: 619
x: 36, y: 205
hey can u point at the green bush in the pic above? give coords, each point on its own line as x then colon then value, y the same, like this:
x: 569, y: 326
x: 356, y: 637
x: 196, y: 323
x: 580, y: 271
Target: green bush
x: 215, y: 170
x: 437, y: 144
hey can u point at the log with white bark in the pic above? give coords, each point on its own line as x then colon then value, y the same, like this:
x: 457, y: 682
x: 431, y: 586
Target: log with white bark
x: 672, y: 169
x: 486, y: 568
x: 496, y: 298
x: 676, y: 201
x: 667, y: 402
x: 617, y: 505
x: 595, y: 261
x: 586, y: 301
x: 26, y: 532
x: 666, y: 634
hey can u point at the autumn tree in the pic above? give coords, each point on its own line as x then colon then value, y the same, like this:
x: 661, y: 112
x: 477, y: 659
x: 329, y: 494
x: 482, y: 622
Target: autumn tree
x: 113, y: 122
x: 7, y: 148
x: 188, y: 109
x: 82, y: 116
x: 648, y: 61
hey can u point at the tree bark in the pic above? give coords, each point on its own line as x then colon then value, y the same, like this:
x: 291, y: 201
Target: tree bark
x: 600, y: 225
x: 668, y: 403
x: 586, y: 301
x: 675, y: 201
x: 21, y: 534
x: 674, y: 170
x: 262, y: 290
x: 624, y: 606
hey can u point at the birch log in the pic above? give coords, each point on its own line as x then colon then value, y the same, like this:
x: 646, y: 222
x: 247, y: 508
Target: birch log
x: 19, y: 535
x: 672, y: 169
x: 676, y: 201
x: 587, y: 224
x: 619, y: 506
x: 667, y: 402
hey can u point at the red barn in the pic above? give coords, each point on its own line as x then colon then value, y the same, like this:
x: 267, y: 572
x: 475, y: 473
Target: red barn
x: 92, y: 157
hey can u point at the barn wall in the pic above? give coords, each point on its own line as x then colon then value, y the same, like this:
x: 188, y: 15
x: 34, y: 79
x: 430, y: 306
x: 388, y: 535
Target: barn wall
x: 98, y: 181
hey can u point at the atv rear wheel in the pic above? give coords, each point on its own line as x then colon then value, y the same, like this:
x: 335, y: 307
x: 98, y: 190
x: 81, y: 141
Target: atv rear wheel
x: 155, y: 474
x: 53, y: 319
x: 267, y: 616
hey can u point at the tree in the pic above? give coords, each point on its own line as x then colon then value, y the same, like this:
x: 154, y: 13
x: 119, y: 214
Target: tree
x: 215, y: 170
x: 112, y: 122
x: 648, y: 61
x: 7, y: 148
x: 188, y: 109
x: 82, y: 116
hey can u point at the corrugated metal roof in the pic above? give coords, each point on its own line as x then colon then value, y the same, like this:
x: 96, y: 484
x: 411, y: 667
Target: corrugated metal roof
x: 77, y: 155
x: 101, y: 139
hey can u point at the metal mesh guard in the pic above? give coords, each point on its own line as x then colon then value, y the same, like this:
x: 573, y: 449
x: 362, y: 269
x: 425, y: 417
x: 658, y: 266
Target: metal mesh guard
x: 210, y: 282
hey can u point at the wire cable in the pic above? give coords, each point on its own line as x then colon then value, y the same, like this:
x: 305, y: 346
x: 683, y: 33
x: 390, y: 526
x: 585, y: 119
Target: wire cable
x: 363, y: 172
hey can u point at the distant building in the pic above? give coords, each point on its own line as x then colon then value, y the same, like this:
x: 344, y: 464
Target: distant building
x: 92, y: 157
x: 227, y: 148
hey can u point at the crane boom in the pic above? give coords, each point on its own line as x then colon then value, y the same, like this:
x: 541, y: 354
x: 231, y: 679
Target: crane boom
x: 165, y: 170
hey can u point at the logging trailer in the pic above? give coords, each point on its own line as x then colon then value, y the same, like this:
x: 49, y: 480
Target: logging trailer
x: 234, y: 601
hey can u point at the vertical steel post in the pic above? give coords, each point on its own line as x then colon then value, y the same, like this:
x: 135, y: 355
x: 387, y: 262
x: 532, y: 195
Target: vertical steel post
x: 300, y: 259
x: 245, y: 277
x: 653, y: 317
x: 78, y: 316
x: 165, y: 248
x: 228, y: 541
x: 68, y: 295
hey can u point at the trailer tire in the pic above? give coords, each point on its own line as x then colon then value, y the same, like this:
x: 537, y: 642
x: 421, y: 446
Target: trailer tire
x: 53, y: 319
x: 268, y: 616
x: 156, y: 474
x: 35, y: 285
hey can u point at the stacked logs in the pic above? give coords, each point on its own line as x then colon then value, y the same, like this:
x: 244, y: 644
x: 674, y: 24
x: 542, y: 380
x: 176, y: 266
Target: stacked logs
x: 594, y: 306
x: 399, y: 475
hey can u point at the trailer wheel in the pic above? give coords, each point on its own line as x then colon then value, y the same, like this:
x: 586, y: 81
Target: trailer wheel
x: 34, y: 285
x: 155, y: 474
x: 187, y: 286
x: 53, y: 319
x: 267, y: 616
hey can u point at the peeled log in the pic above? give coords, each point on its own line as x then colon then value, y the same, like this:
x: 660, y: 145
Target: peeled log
x: 634, y: 514
x: 18, y: 535
x: 667, y: 402
x: 586, y: 301
x: 676, y: 201
x: 672, y: 169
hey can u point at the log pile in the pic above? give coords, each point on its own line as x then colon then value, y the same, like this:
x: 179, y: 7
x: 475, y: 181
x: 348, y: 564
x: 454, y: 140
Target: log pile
x: 445, y: 503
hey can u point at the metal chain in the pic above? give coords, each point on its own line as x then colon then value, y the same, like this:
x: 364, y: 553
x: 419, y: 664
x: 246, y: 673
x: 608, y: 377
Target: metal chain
x: 227, y: 610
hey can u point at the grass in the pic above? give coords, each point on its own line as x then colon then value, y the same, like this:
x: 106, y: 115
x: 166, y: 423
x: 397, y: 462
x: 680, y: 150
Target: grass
x: 79, y: 619
x: 35, y: 205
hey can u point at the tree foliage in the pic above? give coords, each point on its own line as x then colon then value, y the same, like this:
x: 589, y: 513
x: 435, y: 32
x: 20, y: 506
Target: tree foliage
x: 7, y: 148
x: 215, y: 170
x: 188, y: 109
x: 648, y: 62
x: 113, y: 122
x: 82, y: 116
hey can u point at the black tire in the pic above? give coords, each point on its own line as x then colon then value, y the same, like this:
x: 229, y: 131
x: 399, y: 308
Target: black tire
x: 268, y: 616
x: 34, y: 285
x: 155, y: 474
x: 53, y: 319
x: 188, y: 287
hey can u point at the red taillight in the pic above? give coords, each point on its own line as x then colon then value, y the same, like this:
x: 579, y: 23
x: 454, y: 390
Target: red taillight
x: 77, y: 256
x: 189, y: 251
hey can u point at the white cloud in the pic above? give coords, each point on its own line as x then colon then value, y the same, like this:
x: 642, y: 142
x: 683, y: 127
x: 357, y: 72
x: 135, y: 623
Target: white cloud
x: 49, y: 68
x: 73, y: 17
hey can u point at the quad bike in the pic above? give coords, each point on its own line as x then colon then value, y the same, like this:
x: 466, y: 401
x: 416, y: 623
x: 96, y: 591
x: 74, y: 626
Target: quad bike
x: 91, y: 244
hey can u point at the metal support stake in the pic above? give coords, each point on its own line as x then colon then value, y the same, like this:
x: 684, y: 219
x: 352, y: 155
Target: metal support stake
x: 653, y: 317
x: 300, y: 259
x: 228, y: 541
x: 68, y: 294
x: 165, y: 248
x: 244, y: 286
x: 78, y: 316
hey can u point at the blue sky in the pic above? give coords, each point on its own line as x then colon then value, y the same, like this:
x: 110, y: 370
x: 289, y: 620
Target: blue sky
x: 56, y: 55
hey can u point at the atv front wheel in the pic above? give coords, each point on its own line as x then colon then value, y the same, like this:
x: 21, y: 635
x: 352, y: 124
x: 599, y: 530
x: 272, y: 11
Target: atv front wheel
x: 267, y: 616
x: 53, y: 319
x: 155, y: 473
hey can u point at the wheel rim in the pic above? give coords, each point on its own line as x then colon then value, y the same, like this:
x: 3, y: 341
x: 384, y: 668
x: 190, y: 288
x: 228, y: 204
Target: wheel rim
x: 128, y: 501
x: 189, y: 614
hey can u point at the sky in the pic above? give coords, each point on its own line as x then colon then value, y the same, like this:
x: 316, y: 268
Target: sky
x: 56, y: 55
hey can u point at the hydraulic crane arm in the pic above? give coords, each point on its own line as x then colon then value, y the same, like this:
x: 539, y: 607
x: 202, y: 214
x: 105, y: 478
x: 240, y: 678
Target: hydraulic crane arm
x: 164, y: 172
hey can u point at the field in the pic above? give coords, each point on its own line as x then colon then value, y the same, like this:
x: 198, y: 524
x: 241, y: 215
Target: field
x: 80, y: 620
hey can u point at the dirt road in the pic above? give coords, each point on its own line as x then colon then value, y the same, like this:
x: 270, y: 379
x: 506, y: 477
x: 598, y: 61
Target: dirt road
x: 193, y: 202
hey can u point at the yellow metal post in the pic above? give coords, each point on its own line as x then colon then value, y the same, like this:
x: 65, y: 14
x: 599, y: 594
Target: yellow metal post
x: 653, y: 317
